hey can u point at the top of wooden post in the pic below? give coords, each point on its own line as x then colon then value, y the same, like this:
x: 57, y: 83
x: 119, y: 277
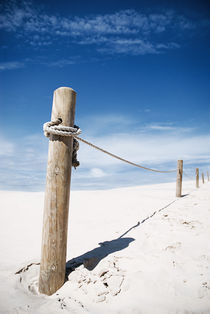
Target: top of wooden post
x: 64, y: 99
x: 65, y: 87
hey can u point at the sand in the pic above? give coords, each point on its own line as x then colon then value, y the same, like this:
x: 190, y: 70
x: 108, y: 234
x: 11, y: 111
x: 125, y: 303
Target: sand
x: 130, y: 250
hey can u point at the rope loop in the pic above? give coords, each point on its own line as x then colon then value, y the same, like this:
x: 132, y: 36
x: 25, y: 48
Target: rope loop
x: 54, y: 128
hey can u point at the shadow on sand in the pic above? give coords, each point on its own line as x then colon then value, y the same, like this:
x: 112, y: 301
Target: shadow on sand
x: 91, y: 259
x: 184, y: 195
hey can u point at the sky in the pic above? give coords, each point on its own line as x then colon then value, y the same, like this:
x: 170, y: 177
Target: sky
x: 141, y: 70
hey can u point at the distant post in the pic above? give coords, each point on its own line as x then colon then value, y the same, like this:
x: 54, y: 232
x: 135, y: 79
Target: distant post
x: 179, y: 178
x: 57, y: 193
x: 203, y: 178
x: 208, y: 175
x: 197, y: 177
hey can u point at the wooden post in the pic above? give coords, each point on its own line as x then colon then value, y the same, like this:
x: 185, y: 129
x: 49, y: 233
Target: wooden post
x: 179, y: 178
x: 57, y: 193
x: 203, y: 178
x: 208, y: 175
x: 197, y: 177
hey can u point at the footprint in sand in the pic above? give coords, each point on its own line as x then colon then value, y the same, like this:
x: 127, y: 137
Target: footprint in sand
x: 173, y: 247
x: 28, y: 277
x: 100, y: 284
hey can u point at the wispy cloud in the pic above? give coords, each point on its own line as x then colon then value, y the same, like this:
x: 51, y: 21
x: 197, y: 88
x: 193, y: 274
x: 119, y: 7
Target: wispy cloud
x: 147, y: 148
x: 165, y: 127
x: 63, y: 62
x: 23, y: 161
x: 7, y: 147
x: 161, y: 127
x: 12, y: 65
x: 122, y: 32
x: 106, y: 124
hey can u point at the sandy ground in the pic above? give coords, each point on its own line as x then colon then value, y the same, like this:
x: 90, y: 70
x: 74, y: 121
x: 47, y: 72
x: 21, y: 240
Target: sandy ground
x: 130, y: 250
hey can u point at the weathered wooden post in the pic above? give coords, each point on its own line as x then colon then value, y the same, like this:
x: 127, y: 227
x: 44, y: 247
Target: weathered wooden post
x: 57, y: 193
x: 179, y: 178
x: 203, y: 178
x: 208, y: 175
x: 197, y: 177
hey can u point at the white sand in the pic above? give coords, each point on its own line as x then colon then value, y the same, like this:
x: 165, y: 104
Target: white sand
x: 160, y: 266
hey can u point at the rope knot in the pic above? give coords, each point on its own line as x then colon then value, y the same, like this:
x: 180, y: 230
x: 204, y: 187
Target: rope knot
x: 54, y: 127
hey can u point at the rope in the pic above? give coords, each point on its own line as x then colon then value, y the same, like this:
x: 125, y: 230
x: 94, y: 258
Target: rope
x: 53, y: 127
x: 75, y: 162
x: 120, y: 158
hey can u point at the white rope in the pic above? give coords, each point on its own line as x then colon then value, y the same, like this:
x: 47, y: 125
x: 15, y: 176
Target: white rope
x: 53, y: 127
x: 120, y: 158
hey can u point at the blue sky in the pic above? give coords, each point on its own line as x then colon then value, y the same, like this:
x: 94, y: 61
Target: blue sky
x: 141, y: 70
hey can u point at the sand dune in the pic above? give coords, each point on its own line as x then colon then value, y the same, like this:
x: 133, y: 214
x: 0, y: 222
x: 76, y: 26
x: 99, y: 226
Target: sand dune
x: 130, y: 250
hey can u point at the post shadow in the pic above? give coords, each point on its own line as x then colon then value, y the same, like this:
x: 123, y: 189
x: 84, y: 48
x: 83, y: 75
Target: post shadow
x: 91, y: 259
x: 184, y: 195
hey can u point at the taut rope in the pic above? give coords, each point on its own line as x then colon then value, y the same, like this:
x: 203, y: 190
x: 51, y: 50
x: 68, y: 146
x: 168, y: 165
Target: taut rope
x: 55, y: 128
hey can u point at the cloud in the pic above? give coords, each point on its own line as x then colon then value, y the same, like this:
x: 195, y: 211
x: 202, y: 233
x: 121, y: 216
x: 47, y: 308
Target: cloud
x: 23, y: 163
x: 12, y: 65
x: 63, y: 62
x: 136, y: 47
x: 146, y: 148
x: 97, y: 173
x: 129, y: 46
x: 7, y: 147
x: 155, y: 150
x: 106, y: 124
x: 158, y: 145
x: 122, y: 32
x: 167, y: 127
x: 32, y: 18
x: 160, y: 127
x: 127, y: 22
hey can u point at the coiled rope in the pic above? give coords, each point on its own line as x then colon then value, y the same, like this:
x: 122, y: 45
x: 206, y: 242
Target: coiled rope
x: 54, y: 127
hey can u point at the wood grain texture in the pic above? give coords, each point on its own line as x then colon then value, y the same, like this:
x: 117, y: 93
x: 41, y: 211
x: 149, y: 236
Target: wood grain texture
x: 57, y: 193
x: 197, y: 177
x: 179, y: 178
